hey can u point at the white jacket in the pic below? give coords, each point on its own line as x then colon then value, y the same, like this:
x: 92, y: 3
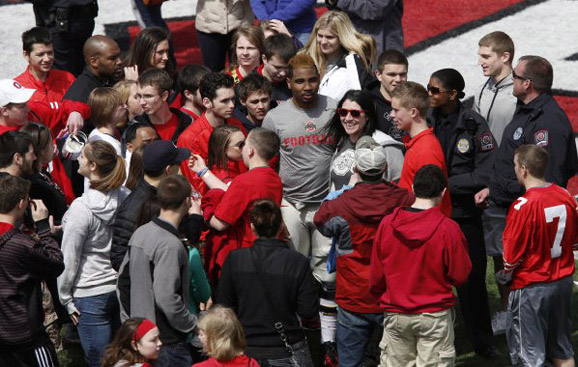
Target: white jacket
x: 339, y: 79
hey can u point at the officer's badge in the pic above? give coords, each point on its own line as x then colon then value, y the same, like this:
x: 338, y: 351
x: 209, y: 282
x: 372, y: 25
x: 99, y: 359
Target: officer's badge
x: 486, y: 142
x: 463, y: 145
x: 541, y: 138
x: 518, y: 133
x: 310, y: 126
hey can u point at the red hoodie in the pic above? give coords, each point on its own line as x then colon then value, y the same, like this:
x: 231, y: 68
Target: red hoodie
x: 417, y: 257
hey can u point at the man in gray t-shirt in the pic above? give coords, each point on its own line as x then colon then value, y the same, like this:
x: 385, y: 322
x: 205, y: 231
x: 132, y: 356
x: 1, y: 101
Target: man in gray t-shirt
x: 305, y: 157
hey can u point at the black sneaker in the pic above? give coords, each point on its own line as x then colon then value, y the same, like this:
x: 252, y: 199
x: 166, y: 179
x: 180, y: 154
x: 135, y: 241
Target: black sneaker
x: 330, y: 349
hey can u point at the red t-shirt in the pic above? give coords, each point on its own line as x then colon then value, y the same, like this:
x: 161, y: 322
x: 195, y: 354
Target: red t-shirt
x: 234, y: 209
x: 189, y: 112
x: 167, y: 130
x: 5, y: 129
x: 196, y: 139
x: 541, y: 229
x: 238, y: 361
x: 422, y: 149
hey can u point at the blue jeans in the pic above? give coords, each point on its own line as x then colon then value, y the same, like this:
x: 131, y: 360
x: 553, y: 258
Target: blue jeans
x: 353, y: 334
x: 98, y: 322
x: 175, y: 355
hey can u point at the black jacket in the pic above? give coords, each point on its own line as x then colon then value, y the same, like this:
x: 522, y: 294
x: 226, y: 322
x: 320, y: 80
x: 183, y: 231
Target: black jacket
x: 288, y: 278
x: 125, y: 222
x: 469, y: 156
x: 184, y: 122
x: 383, y: 109
x: 541, y: 122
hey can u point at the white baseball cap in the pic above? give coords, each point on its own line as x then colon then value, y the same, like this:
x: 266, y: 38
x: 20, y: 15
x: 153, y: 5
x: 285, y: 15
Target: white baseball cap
x: 13, y: 92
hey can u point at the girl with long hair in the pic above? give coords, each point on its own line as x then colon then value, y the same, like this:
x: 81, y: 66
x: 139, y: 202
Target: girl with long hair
x: 356, y: 117
x: 87, y: 287
x: 248, y: 46
x: 225, y: 145
x: 342, y: 55
x: 136, y: 344
x: 150, y: 49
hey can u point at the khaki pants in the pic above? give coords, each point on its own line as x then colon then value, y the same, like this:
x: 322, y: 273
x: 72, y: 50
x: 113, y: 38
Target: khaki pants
x: 308, y: 240
x: 424, y: 339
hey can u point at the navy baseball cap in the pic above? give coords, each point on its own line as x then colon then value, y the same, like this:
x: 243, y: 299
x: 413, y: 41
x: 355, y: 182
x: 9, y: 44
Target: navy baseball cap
x: 161, y: 153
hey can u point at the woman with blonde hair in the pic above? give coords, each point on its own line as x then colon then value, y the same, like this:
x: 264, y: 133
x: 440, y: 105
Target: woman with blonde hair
x: 128, y: 92
x: 223, y: 339
x: 87, y: 287
x: 342, y: 55
x: 248, y: 46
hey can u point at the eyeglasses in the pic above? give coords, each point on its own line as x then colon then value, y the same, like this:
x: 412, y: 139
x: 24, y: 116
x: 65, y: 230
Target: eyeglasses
x: 436, y: 90
x: 146, y: 97
x: 519, y: 77
x: 354, y: 113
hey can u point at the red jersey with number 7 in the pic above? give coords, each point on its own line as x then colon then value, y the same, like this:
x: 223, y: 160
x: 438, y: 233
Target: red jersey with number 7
x: 541, y: 231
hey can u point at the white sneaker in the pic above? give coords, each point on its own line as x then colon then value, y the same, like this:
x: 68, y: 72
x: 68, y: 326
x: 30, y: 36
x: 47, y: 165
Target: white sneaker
x: 499, y: 322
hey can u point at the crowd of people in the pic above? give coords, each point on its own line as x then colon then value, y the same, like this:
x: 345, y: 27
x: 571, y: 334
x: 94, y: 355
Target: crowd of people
x: 210, y: 215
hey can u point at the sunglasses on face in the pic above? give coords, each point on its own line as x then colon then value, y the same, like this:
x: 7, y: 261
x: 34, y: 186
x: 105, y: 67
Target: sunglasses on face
x: 436, y: 90
x: 354, y: 113
x: 519, y: 77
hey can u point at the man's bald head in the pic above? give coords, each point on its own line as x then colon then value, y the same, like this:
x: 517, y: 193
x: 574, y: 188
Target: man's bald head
x: 96, y: 45
x: 102, y: 56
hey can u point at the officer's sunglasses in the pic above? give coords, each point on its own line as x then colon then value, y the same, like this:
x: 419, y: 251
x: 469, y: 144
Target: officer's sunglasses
x: 436, y: 90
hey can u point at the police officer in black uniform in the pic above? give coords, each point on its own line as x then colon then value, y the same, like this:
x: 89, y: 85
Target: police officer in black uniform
x: 71, y: 23
x: 538, y: 120
x: 468, y: 147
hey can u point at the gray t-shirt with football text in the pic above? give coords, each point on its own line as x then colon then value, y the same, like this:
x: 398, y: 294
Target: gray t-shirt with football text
x: 306, y: 150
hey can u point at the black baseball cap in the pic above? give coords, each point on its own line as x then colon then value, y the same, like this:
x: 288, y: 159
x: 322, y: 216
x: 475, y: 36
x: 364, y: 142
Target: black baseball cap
x: 161, y: 153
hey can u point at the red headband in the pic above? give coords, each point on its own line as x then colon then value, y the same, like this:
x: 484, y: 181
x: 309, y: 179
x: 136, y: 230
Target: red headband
x: 143, y: 328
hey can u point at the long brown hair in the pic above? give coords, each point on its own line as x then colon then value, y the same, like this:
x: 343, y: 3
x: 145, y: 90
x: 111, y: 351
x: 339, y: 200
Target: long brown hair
x: 121, y: 348
x: 135, y: 171
x: 41, y: 137
x: 111, y: 166
x: 218, y: 143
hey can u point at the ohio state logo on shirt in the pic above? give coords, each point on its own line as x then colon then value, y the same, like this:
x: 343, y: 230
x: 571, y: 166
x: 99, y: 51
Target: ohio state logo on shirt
x: 310, y: 126
x: 541, y: 138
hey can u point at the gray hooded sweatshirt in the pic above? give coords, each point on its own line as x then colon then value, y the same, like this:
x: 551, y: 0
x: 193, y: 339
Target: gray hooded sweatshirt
x: 87, y: 227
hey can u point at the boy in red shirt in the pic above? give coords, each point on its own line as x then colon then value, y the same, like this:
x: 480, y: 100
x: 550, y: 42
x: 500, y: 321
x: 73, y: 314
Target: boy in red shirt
x: 260, y: 182
x: 189, y: 79
x: 541, y: 230
x: 219, y: 101
x: 409, y: 106
x: 154, y: 88
x: 418, y: 255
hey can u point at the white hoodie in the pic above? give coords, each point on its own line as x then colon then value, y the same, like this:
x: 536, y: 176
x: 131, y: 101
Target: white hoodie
x: 87, y: 227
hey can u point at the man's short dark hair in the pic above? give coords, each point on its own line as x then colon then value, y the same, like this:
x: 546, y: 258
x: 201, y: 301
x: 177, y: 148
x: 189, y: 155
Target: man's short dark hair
x: 12, y: 190
x: 13, y: 142
x: 265, y: 142
x: 157, y: 78
x: 253, y: 83
x: 212, y: 82
x: 280, y: 45
x: 190, y: 78
x: 429, y: 182
x: 539, y: 71
x: 172, y: 192
x: 36, y: 35
x: 534, y: 158
x: 391, y: 57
